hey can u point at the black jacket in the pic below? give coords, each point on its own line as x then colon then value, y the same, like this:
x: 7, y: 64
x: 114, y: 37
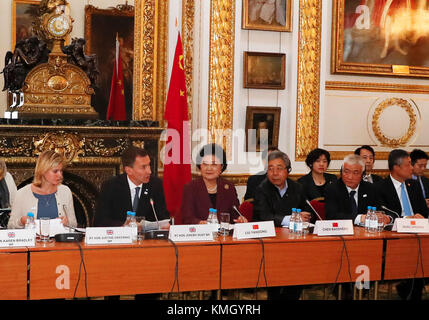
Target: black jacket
x: 337, y: 203
x: 252, y: 183
x: 269, y: 205
x: 388, y: 197
x: 115, y: 200
x: 310, y: 189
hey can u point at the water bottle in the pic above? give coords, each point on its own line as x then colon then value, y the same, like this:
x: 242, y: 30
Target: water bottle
x: 373, y: 222
x: 380, y: 222
x: 292, y: 221
x: 30, y: 224
x: 212, y: 219
x: 298, y: 222
x: 132, y: 223
x: 368, y: 218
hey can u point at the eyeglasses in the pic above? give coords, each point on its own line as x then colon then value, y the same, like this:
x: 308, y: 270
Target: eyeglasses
x: 276, y: 169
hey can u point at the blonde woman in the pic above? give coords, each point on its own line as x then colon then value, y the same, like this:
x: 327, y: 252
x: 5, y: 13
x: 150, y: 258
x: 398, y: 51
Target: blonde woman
x: 46, y: 196
x: 7, y: 187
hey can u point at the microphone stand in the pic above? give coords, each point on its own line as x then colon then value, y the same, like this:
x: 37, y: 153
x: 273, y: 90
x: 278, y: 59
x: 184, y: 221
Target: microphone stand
x: 156, y: 234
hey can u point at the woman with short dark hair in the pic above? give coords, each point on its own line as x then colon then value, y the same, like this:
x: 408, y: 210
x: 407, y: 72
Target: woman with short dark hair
x: 209, y: 190
x: 317, y: 179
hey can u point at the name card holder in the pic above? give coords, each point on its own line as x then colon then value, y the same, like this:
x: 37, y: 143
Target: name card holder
x: 254, y: 230
x: 191, y: 232
x: 334, y: 228
x: 17, y: 238
x: 403, y: 225
x: 114, y: 235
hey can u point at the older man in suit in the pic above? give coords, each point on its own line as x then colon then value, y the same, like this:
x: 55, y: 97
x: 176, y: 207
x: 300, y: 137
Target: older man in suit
x: 131, y: 191
x: 350, y: 196
x: 404, y: 198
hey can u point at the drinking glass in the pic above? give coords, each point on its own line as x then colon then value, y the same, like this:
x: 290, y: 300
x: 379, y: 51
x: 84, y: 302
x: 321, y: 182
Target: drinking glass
x: 140, y: 227
x: 380, y: 220
x: 44, y: 229
x: 224, y: 223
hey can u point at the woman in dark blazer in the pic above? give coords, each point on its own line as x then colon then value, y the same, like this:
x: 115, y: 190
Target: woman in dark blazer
x: 209, y: 190
x: 317, y: 179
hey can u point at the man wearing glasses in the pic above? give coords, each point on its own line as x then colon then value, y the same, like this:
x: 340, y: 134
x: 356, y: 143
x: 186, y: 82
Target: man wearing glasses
x: 274, y: 199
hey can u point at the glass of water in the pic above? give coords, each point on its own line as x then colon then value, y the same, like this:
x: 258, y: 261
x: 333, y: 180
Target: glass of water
x: 44, y: 229
x: 380, y: 225
x: 224, y: 223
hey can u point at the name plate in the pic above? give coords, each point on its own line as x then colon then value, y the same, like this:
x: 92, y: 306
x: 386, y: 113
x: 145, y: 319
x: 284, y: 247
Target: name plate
x: 253, y: 230
x: 333, y: 227
x: 17, y: 238
x: 403, y: 225
x: 114, y: 235
x: 191, y: 232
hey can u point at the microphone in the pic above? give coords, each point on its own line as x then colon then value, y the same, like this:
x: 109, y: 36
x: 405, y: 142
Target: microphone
x: 308, y: 202
x: 236, y: 210
x: 156, y: 234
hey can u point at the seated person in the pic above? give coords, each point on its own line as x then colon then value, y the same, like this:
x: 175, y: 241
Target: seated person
x: 316, y: 181
x: 256, y: 179
x: 277, y: 194
x: 46, y: 196
x: 419, y: 161
x: 404, y: 198
x: 7, y: 187
x: 274, y: 199
x: 210, y: 190
x: 131, y: 191
x: 368, y: 155
x: 350, y: 196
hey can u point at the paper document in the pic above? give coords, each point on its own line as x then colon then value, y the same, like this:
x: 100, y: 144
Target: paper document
x: 153, y: 225
x: 55, y: 227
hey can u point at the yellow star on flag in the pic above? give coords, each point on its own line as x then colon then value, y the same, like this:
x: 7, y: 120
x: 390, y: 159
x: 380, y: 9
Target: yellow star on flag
x: 182, y: 93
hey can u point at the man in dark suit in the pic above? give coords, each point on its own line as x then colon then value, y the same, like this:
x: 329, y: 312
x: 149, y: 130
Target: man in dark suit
x: 368, y: 155
x: 274, y: 199
x: 350, y: 196
x: 254, y: 180
x: 419, y: 161
x: 402, y: 195
x: 131, y: 191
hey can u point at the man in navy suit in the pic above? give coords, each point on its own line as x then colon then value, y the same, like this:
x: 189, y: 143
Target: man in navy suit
x: 419, y: 161
x: 131, y: 191
x: 403, y: 196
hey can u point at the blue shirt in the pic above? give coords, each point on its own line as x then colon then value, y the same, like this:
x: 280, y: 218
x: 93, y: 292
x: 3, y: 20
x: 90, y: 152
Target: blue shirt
x: 47, y: 206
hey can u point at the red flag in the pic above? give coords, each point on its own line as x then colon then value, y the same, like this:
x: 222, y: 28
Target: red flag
x: 116, y: 108
x: 177, y: 162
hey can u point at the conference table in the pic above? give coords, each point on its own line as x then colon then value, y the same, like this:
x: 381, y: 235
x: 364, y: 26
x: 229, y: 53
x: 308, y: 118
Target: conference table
x: 66, y: 270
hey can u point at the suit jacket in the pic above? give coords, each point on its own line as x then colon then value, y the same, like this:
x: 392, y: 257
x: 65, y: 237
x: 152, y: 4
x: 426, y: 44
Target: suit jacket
x: 425, y: 182
x: 376, y: 178
x: 269, y: 205
x: 388, y: 197
x: 115, y: 200
x: 310, y: 189
x: 337, y: 203
x: 252, y: 183
x: 196, y: 200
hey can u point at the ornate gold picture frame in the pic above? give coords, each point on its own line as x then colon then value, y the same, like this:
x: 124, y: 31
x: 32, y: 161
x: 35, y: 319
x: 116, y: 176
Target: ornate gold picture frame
x: 258, y: 119
x: 264, y: 70
x: 23, y: 14
x: 267, y: 15
x: 380, y: 38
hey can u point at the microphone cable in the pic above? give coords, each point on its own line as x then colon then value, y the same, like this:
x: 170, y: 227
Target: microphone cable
x: 261, y: 266
x: 419, y: 259
x: 344, y: 249
x: 82, y: 263
x: 176, y: 269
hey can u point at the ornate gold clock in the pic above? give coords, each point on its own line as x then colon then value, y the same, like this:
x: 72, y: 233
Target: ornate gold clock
x: 56, y: 89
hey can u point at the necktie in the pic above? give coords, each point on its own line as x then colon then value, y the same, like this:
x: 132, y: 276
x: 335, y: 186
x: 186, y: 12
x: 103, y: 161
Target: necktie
x: 405, y: 202
x: 136, y: 199
x: 353, y: 204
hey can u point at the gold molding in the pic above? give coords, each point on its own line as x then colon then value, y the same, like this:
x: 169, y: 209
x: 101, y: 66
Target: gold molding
x: 188, y: 20
x: 307, y: 109
x: 402, y: 141
x: 340, y: 155
x: 221, y: 73
x: 150, y: 59
x: 376, y: 87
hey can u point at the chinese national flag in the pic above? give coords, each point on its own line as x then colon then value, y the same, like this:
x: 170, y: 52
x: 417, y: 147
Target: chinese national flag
x: 177, y: 173
x: 116, y: 108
